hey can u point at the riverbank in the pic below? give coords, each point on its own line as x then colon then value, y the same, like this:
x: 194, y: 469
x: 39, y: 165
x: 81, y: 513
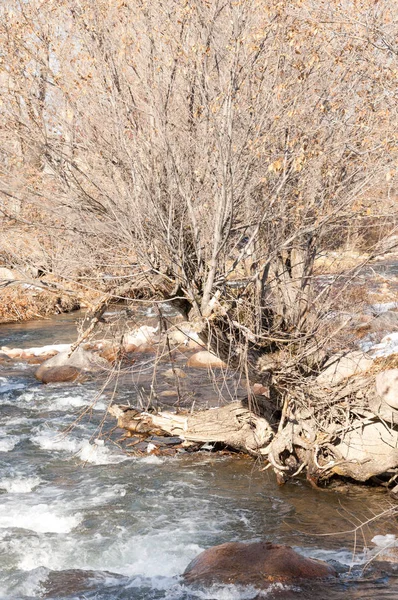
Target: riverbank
x: 198, y: 401
x: 25, y: 302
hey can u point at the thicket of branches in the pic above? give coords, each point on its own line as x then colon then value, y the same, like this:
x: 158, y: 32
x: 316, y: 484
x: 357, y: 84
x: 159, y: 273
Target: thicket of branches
x: 188, y: 145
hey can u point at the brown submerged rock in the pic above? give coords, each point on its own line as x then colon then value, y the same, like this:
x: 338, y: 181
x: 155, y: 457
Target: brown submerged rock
x: 256, y: 563
x: 58, y: 374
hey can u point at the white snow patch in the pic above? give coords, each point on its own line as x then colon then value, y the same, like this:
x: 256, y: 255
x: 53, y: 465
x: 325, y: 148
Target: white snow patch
x: 385, y: 541
x: 387, y: 346
x: 383, y: 307
x: 39, y: 351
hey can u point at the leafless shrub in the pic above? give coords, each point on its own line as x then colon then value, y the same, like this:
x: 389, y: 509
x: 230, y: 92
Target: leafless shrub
x: 207, y: 152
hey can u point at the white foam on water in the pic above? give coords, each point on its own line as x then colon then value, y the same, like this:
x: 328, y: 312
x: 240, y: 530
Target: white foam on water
x: 19, y: 485
x: 151, y: 460
x: 40, y: 518
x: 343, y: 556
x: 100, y: 455
x: 221, y: 591
x: 51, y: 440
x: 70, y: 401
x: 8, y: 443
x: 149, y: 556
x: 88, y: 453
x: 29, y: 585
x: 64, y: 400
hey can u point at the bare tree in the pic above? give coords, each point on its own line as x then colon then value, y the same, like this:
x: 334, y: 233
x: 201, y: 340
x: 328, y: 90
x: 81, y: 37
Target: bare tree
x: 216, y: 145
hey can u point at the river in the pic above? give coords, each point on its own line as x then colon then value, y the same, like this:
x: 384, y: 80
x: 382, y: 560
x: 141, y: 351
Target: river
x: 79, y: 518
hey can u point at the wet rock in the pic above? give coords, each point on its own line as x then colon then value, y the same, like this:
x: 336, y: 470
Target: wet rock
x: 205, y: 359
x: 176, y: 372
x: 58, y: 374
x: 67, y: 368
x: 168, y: 394
x: 185, y: 336
x: 341, y: 366
x: 256, y: 563
x: 162, y: 440
x: 143, y: 337
x: 75, y: 581
x: 385, y: 321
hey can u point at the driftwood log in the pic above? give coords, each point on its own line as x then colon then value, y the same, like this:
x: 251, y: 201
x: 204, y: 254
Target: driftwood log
x: 236, y: 425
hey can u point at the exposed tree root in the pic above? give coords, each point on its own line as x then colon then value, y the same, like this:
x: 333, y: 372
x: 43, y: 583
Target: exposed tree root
x: 321, y: 432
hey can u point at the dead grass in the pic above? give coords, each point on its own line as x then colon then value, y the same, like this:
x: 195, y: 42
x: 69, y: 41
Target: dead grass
x: 18, y: 303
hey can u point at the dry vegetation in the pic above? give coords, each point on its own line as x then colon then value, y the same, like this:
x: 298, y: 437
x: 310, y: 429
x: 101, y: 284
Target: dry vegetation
x: 24, y: 304
x: 173, y: 146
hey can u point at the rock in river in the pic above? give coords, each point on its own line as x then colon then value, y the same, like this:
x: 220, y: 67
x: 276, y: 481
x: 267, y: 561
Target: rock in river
x: 67, y: 368
x: 205, y: 359
x: 255, y: 563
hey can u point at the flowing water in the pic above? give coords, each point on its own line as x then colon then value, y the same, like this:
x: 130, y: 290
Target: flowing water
x: 81, y: 519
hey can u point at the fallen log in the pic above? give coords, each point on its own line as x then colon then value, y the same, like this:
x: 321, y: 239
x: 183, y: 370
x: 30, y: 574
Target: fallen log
x: 236, y: 425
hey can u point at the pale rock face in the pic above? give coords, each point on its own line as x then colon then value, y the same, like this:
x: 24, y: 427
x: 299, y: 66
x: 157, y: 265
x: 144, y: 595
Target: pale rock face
x: 170, y: 373
x: 385, y: 321
x: 205, y: 359
x: 143, y: 336
x: 387, y: 346
x: 7, y: 274
x: 369, y: 449
x: 341, y: 366
x: 387, y: 387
